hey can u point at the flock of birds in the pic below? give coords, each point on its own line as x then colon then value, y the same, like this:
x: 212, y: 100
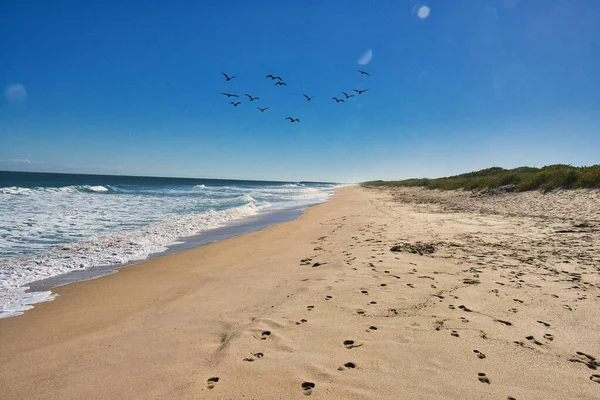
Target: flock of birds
x: 281, y: 83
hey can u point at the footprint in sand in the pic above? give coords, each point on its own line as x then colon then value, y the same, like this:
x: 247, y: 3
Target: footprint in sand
x: 454, y: 333
x: 383, y: 285
x: 532, y: 339
x: 544, y: 323
x: 265, y: 335
x: 348, y: 365
x: 251, y: 359
x: 328, y: 297
x: 371, y: 329
x: 549, y: 336
x: 350, y: 344
x: 480, y: 355
x: 364, y: 292
x: 483, y: 378
x: 504, y: 322
x: 373, y: 302
x: 360, y: 312
x: 308, y: 308
x: 464, y: 308
x: 211, y: 382
x: 595, y: 378
x: 307, y: 388
x: 302, y: 321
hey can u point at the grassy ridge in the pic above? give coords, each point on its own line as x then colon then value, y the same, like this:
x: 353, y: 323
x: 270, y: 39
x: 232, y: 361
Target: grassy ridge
x: 517, y: 179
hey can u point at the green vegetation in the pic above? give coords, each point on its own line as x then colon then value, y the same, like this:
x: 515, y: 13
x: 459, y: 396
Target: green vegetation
x: 518, y: 179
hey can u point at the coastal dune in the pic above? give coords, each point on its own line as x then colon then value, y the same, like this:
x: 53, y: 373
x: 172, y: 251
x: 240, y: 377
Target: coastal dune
x: 377, y: 293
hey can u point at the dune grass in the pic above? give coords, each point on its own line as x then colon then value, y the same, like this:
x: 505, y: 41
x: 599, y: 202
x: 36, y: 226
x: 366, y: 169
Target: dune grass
x: 558, y: 176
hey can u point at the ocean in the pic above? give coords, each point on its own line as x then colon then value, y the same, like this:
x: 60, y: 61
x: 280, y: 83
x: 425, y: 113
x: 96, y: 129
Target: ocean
x: 55, y: 224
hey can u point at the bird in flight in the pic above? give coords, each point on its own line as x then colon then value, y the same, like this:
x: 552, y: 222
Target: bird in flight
x: 252, y: 98
x: 227, y: 76
x: 230, y: 95
x: 363, y: 72
x: 360, y: 91
x: 280, y: 84
x: 236, y: 104
x: 273, y: 77
x: 307, y: 97
x: 348, y: 95
x: 263, y: 109
x: 338, y: 100
x: 292, y: 120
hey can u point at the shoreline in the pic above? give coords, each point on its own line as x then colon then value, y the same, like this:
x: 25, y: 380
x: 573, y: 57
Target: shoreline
x: 40, y: 291
x: 481, y: 298
x: 230, y: 229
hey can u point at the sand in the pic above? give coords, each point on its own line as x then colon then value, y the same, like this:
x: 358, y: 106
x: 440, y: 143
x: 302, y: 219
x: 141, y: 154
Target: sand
x: 492, y: 296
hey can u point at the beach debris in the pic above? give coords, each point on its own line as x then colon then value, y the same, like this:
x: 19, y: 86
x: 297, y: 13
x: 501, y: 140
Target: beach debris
x: 419, y: 248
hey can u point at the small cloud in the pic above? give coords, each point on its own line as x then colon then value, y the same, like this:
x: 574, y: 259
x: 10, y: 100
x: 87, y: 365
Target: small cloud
x: 21, y: 161
x: 365, y: 58
x: 16, y: 93
x: 422, y: 11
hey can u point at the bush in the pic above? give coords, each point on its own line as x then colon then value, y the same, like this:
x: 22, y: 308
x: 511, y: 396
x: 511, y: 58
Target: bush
x: 520, y: 179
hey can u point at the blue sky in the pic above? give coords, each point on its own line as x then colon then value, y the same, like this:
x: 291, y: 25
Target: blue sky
x: 121, y: 88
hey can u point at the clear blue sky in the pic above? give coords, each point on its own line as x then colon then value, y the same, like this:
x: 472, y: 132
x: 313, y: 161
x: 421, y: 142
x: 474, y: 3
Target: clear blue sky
x: 129, y: 87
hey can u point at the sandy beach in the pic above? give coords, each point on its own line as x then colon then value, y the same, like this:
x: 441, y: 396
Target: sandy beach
x: 375, y: 294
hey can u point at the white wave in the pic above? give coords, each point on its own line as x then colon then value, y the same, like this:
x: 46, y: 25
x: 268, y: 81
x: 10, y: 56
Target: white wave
x: 199, y: 187
x: 15, y: 190
x: 97, y: 188
x: 112, y: 249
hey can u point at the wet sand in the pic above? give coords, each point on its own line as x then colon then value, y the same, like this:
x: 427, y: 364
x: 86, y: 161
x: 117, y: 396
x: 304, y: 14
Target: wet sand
x: 487, y: 296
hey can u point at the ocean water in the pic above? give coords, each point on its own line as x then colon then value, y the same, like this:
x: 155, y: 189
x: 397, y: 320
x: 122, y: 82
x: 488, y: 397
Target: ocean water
x: 52, y: 224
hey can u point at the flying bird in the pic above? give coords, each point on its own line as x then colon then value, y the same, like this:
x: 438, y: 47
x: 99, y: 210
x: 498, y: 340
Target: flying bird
x: 230, y: 95
x: 280, y: 84
x: 338, y: 100
x: 227, y: 76
x: 348, y: 95
x: 363, y: 72
x: 263, y: 109
x: 236, y: 104
x: 292, y: 120
x: 252, y: 98
x: 307, y: 97
x: 273, y: 77
x: 360, y: 91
